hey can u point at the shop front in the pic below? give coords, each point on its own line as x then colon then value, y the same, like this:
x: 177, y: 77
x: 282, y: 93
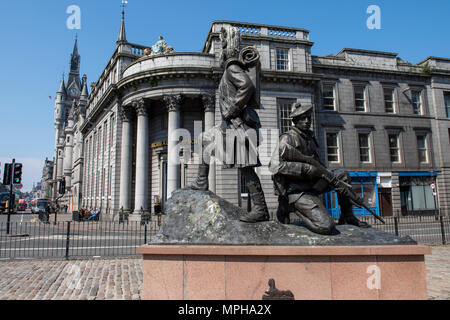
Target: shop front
x: 418, y: 193
x: 365, y: 185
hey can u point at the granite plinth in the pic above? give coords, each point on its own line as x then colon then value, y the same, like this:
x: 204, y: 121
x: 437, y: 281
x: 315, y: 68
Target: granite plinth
x: 207, y: 272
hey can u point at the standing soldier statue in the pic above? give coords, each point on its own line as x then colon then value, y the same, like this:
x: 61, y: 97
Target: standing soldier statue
x: 238, y: 92
x: 300, y: 179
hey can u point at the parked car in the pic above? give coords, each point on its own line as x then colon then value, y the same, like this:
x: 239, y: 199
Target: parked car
x: 39, y: 205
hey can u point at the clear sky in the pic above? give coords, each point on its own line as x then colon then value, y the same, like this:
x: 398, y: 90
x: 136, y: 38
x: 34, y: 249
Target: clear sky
x: 36, y: 46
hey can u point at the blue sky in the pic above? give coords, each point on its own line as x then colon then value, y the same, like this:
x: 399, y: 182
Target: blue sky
x: 36, y: 46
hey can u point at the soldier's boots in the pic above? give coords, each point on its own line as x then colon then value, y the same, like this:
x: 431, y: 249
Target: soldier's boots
x: 259, y: 212
x: 347, y: 216
x: 201, y: 182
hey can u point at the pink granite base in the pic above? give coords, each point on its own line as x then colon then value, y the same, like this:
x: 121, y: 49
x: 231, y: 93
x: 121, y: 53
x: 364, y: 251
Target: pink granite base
x: 192, y: 272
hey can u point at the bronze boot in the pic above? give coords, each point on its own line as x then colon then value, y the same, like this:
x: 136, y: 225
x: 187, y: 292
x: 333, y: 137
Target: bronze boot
x: 347, y: 216
x: 201, y: 182
x: 259, y: 212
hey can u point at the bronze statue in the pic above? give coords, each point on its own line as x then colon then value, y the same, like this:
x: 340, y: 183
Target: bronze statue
x: 299, y: 179
x: 238, y: 95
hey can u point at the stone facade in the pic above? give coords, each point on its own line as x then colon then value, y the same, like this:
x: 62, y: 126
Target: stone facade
x: 377, y: 116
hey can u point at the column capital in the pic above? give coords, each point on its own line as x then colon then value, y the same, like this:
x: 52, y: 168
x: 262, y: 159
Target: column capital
x: 140, y: 107
x: 173, y: 102
x: 125, y: 113
x: 209, y: 102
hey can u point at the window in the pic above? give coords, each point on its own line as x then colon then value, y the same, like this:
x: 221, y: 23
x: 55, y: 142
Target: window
x: 364, y: 147
x: 360, y: 99
x: 416, y: 99
x: 111, y: 131
x: 105, y: 136
x: 284, y: 111
x: 389, y: 100
x: 394, y: 147
x: 417, y: 198
x: 282, y: 59
x: 332, y: 147
x: 447, y: 103
x: 328, y: 98
x: 422, y: 148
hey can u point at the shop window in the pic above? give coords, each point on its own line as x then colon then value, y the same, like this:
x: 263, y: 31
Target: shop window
x: 365, y: 187
x: 417, y: 198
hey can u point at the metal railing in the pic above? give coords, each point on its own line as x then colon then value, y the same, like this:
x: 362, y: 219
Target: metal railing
x: 64, y: 240
x: 432, y: 230
x: 423, y: 229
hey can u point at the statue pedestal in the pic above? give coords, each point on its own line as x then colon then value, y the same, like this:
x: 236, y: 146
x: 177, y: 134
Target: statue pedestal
x: 233, y: 272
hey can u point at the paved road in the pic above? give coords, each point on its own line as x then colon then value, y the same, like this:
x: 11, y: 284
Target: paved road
x: 121, y: 279
x: 86, y: 239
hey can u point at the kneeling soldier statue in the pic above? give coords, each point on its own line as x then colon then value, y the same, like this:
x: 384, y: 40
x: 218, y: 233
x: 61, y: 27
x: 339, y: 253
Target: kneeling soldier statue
x: 300, y: 179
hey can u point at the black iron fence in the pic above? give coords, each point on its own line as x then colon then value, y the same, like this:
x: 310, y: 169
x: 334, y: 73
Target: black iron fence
x: 73, y: 239
x: 31, y: 240
x: 423, y: 229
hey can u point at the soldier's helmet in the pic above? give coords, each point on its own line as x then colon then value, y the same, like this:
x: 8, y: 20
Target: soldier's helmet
x: 300, y: 110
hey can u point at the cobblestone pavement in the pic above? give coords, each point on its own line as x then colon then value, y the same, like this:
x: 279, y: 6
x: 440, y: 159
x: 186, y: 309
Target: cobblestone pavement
x: 438, y: 273
x: 121, y: 279
x: 118, y: 279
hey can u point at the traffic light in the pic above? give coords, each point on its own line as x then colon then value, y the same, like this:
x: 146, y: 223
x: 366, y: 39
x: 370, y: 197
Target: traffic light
x: 7, y: 174
x: 17, y: 179
x: 62, y: 186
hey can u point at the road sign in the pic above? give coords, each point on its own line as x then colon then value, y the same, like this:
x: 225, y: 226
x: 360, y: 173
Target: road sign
x: 18, y: 186
x: 433, y: 185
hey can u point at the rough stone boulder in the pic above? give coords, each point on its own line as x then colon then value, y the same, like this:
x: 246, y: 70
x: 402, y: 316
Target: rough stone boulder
x: 196, y: 217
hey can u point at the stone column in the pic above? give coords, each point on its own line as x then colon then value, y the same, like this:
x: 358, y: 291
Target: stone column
x: 209, y: 104
x: 125, y: 160
x: 141, y: 204
x: 173, y: 104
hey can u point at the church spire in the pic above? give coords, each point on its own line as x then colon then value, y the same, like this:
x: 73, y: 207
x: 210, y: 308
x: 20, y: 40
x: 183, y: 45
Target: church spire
x: 62, y: 86
x: 84, y: 91
x: 122, y: 34
x: 74, y: 82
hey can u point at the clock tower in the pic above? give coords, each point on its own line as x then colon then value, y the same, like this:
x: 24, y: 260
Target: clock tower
x: 66, y: 103
x: 74, y: 82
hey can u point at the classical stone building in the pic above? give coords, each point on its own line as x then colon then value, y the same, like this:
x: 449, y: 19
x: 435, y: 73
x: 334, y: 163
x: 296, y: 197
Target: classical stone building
x: 385, y: 120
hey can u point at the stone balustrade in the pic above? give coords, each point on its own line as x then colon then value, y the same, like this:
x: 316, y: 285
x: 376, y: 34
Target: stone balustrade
x: 172, y: 60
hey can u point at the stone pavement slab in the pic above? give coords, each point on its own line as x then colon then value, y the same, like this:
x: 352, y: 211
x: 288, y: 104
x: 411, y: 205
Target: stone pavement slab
x: 438, y: 273
x: 116, y: 279
x: 121, y: 278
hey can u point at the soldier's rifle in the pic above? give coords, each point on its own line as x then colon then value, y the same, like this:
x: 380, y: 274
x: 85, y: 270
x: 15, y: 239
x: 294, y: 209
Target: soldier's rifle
x: 291, y: 154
